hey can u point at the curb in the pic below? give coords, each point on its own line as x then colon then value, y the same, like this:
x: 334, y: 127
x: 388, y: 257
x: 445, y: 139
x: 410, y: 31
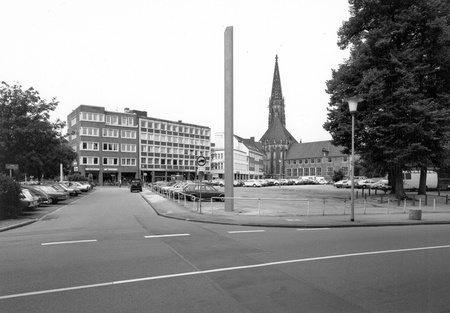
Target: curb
x: 18, y: 225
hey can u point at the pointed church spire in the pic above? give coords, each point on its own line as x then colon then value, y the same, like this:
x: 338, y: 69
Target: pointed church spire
x: 276, y: 101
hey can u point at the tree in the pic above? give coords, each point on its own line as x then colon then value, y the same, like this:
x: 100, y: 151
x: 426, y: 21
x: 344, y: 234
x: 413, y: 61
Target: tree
x: 27, y: 137
x: 400, y: 65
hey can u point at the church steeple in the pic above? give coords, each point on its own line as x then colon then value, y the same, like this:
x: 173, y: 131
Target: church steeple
x: 276, y: 101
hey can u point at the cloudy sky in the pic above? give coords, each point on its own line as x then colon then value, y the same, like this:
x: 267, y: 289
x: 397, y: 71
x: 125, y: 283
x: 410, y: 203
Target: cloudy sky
x: 166, y: 57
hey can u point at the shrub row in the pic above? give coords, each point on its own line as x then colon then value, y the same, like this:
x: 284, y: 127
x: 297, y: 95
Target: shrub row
x: 9, y: 197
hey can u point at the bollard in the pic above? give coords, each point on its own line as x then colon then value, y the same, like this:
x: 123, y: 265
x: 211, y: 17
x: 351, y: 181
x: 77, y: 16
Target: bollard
x: 415, y: 214
x: 365, y: 205
x: 404, y: 206
x: 434, y: 204
x: 323, y: 213
x: 426, y: 199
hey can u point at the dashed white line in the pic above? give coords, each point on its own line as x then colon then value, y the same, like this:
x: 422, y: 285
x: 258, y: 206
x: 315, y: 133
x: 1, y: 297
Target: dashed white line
x: 67, y: 242
x: 246, y: 231
x: 169, y: 235
x: 121, y: 282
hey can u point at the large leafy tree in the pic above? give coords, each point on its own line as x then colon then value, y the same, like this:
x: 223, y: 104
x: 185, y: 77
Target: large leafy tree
x: 27, y: 137
x: 400, y: 65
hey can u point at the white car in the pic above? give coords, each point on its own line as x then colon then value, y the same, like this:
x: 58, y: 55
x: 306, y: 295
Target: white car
x: 252, y: 183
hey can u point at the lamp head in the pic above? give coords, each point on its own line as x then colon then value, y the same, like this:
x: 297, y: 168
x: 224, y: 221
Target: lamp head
x: 353, y: 103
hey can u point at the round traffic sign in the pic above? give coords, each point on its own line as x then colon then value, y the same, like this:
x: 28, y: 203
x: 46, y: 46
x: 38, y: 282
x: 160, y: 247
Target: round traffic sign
x: 201, y: 161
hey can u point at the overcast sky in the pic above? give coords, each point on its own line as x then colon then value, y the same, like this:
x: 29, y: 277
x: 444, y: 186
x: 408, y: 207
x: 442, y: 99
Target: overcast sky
x: 166, y: 57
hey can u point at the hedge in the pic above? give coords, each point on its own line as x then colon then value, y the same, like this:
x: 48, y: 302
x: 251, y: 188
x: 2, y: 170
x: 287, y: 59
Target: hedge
x: 9, y: 198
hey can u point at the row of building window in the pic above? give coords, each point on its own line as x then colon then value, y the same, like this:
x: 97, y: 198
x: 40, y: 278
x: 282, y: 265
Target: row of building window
x: 174, y: 128
x: 294, y: 172
x: 170, y: 150
x: 107, y: 161
x: 106, y: 132
x: 312, y: 161
x: 110, y: 119
x: 158, y: 161
x: 174, y: 139
x: 106, y: 146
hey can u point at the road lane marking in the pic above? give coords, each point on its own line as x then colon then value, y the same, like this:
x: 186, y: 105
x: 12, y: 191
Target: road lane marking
x: 246, y: 231
x: 323, y: 228
x: 170, y: 235
x: 67, y: 242
x: 217, y: 270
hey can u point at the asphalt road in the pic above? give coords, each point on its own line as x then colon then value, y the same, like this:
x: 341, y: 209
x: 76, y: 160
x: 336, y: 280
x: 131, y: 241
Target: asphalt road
x: 109, y: 252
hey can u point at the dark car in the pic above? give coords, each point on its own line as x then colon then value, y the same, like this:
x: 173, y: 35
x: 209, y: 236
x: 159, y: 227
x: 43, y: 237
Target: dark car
x: 202, y: 191
x: 54, y: 195
x: 27, y: 200
x: 43, y: 197
x: 136, y: 185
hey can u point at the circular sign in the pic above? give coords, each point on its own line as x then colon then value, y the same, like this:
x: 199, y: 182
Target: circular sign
x: 201, y: 161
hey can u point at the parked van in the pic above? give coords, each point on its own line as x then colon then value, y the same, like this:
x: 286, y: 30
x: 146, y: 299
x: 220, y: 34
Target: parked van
x: 411, y: 180
x: 321, y: 180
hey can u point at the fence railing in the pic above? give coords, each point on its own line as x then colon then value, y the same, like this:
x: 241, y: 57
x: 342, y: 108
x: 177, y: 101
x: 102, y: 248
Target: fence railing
x: 380, y: 204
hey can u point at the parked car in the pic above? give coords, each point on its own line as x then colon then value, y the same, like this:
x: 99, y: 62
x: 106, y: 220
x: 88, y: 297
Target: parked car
x: 364, y: 183
x: 54, y: 195
x: 197, y: 192
x: 342, y: 184
x: 71, y: 191
x: 27, y: 200
x: 84, y: 187
x: 43, y: 197
x: 252, y: 183
x: 136, y: 185
x: 71, y: 186
x: 381, y: 185
x: 59, y: 188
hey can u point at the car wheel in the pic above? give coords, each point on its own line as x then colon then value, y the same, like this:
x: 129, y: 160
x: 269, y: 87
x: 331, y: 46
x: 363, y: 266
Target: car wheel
x: 193, y: 198
x: 222, y: 198
x: 50, y: 201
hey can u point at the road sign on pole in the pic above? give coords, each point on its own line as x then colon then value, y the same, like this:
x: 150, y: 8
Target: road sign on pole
x: 201, y: 161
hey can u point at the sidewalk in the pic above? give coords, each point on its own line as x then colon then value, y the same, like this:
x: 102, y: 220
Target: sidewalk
x: 170, y: 209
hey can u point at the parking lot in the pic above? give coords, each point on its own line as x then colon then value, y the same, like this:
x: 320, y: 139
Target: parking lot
x: 303, y: 200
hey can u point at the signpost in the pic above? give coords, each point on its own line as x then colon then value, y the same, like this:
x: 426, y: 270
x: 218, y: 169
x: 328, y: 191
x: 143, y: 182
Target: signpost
x: 11, y: 167
x: 201, y: 162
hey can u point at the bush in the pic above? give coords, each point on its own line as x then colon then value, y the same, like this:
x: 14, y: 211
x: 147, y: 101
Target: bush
x: 9, y: 198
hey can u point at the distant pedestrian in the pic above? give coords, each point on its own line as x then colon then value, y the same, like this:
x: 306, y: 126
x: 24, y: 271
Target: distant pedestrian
x: 120, y: 183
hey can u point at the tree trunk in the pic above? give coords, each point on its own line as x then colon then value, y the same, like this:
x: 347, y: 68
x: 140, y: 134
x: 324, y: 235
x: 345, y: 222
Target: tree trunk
x: 423, y: 181
x: 398, y: 181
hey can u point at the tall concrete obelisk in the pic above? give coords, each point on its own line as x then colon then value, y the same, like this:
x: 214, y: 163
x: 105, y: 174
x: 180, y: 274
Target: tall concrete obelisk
x: 229, y: 162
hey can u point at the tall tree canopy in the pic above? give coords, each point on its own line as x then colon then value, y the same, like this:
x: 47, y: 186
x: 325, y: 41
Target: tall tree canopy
x: 27, y: 137
x: 400, y: 65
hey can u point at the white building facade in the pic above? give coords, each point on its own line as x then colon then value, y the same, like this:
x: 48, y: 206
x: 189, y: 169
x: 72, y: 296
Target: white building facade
x: 247, y: 158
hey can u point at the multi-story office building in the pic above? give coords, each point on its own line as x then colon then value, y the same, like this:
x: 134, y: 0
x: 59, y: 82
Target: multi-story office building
x: 247, y: 158
x: 115, y: 146
x: 106, y: 143
x: 170, y: 149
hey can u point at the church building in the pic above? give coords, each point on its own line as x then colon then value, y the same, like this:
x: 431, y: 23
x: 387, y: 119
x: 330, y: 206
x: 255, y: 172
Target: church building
x: 277, y: 140
x: 285, y: 157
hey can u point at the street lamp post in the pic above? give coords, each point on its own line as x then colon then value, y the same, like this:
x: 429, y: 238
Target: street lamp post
x: 352, y: 105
